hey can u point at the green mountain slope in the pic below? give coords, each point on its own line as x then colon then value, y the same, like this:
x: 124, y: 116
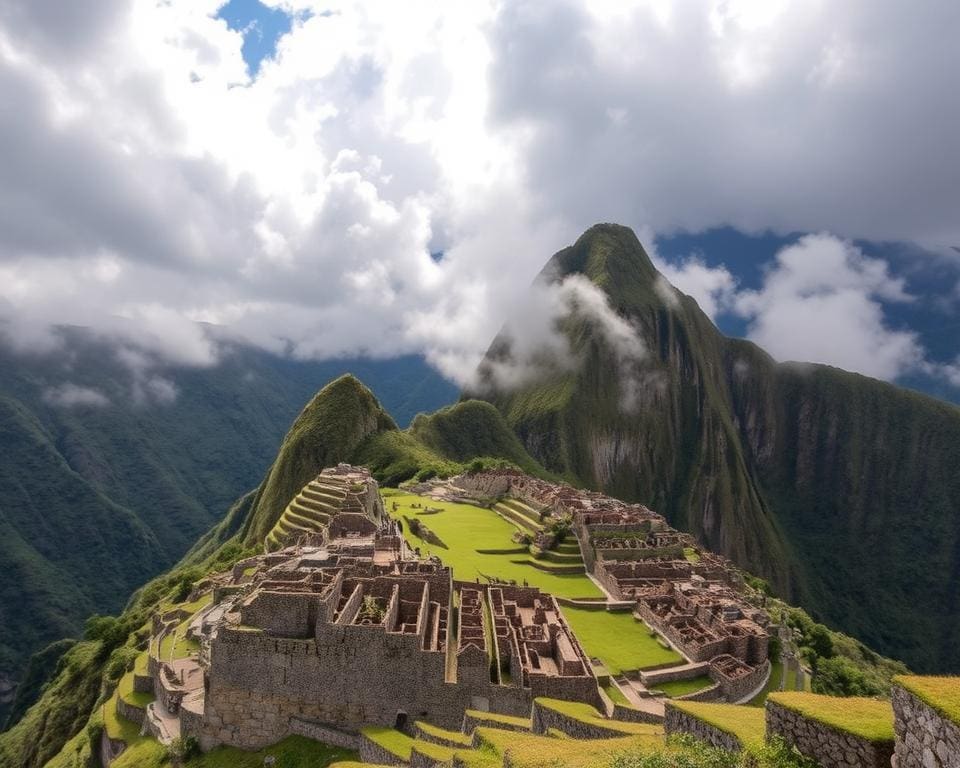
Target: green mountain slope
x: 841, y: 490
x: 344, y: 421
x: 96, y: 499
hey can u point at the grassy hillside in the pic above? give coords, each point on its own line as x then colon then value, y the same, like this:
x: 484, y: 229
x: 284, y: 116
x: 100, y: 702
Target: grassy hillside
x: 96, y: 499
x: 836, y: 488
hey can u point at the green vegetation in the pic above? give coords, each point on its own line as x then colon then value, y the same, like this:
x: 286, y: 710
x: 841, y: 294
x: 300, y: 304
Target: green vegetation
x: 784, y: 457
x: 496, y: 717
x: 462, y: 739
x: 746, y: 723
x: 66, y: 721
x: 940, y: 693
x: 616, y: 638
x: 530, y: 751
x: 619, y: 640
x: 683, y: 751
x: 98, y: 500
x: 390, y: 739
x: 616, y: 695
x: 676, y: 688
x: 869, y: 719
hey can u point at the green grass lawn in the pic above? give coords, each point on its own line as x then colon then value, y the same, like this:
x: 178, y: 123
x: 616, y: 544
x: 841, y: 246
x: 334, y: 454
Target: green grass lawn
x: 464, y: 529
x: 585, y: 713
x: 616, y: 695
x: 676, y: 688
x: 618, y: 639
x: 390, y: 739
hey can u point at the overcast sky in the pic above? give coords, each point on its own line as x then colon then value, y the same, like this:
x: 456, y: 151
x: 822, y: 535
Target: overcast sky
x: 327, y: 179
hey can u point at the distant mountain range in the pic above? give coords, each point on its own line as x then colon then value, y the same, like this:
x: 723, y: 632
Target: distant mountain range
x: 102, y: 486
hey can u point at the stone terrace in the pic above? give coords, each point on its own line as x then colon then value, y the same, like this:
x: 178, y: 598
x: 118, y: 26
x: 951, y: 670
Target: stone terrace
x: 693, y: 598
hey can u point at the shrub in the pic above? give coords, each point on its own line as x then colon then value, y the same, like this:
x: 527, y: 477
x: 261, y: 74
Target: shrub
x: 120, y: 661
x: 838, y: 676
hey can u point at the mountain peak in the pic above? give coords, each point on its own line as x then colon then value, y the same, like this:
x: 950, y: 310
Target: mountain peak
x: 605, y: 253
x: 328, y: 430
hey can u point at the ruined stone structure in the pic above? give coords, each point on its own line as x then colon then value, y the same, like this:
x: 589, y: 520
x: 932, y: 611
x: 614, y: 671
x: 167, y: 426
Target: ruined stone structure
x: 341, y: 502
x: 346, y: 629
x: 696, y: 602
x: 348, y: 644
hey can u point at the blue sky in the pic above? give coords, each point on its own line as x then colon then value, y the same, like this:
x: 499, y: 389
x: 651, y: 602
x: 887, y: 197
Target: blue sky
x: 261, y: 27
x: 930, y: 279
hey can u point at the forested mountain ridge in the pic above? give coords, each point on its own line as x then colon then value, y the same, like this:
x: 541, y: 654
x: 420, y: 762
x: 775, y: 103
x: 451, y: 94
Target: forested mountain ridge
x: 103, y: 484
x: 842, y: 490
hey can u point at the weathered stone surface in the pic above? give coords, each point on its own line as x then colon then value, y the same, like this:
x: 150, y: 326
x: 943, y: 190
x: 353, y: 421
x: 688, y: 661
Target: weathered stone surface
x: 829, y: 747
x: 682, y: 722
x: 925, y: 739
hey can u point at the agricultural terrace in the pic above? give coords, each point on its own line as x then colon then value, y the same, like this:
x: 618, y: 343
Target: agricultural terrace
x: 477, y: 544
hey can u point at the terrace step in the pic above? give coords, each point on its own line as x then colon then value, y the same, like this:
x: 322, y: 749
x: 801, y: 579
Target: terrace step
x: 320, y: 518
x: 514, y: 517
x: 547, y: 567
x: 427, y: 732
x: 522, y: 509
x: 320, y: 507
x: 568, y: 558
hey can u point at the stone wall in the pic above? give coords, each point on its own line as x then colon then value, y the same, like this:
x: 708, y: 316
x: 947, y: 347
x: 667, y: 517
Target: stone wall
x: 633, y: 715
x: 357, y: 676
x: 324, y: 733
x: 110, y: 749
x: 677, y: 721
x: 710, y: 693
x: 925, y: 739
x: 739, y: 688
x: 650, y: 678
x: 130, y: 712
x: 471, y: 723
x: 544, y: 718
x: 829, y: 747
x: 371, y: 752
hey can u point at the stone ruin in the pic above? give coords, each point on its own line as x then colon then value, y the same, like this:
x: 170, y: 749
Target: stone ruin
x: 351, y: 630
x: 696, y: 603
x: 341, y: 502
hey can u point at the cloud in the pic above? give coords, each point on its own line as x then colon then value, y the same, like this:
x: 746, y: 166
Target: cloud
x: 713, y: 288
x: 535, y: 342
x: 156, y: 193
x: 69, y: 395
x: 821, y: 302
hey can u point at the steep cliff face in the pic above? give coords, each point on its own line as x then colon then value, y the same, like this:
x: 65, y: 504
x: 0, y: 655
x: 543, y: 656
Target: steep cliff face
x: 843, y: 491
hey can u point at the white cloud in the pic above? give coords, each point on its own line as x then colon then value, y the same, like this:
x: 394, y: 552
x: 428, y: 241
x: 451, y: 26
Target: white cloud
x: 149, y: 183
x: 537, y: 346
x: 69, y: 395
x: 820, y: 302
